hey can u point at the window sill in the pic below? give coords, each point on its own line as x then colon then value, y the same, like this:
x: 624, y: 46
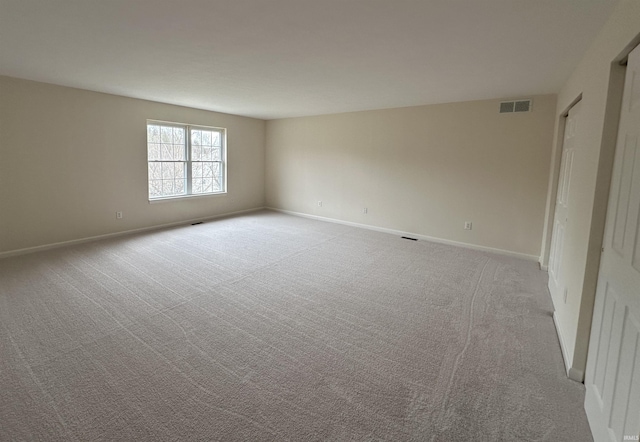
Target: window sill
x: 184, y: 197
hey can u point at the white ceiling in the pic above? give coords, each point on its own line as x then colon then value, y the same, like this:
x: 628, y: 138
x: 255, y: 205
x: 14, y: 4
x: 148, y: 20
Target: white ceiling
x: 282, y: 58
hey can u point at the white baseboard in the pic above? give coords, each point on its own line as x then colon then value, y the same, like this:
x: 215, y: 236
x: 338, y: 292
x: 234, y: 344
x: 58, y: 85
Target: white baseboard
x: 572, y: 373
x: 123, y: 233
x: 411, y: 234
x: 576, y: 375
x: 543, y: 266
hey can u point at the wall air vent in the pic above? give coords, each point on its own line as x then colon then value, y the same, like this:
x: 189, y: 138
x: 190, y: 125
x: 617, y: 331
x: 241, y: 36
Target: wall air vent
x: 508, y: 107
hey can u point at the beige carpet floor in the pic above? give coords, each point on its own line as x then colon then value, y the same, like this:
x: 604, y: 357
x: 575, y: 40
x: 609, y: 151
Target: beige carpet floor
x: 269, y: 327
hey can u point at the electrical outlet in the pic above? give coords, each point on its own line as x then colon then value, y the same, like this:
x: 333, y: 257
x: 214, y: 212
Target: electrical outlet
x: 467, y: 225
x: 118, y: 215
x: 365, y: 210
x: 319, y: 203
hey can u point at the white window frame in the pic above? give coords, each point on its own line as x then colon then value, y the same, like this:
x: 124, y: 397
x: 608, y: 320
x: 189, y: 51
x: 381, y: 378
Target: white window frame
x: 189, y: 161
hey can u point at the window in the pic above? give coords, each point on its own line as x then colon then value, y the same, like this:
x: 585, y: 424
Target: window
x: 185, y: 160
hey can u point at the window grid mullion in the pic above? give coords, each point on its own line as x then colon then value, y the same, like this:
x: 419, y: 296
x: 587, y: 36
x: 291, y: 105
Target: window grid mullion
x: 188, y: 147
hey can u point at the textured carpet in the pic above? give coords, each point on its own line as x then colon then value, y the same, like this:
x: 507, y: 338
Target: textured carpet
x: 272, y: 327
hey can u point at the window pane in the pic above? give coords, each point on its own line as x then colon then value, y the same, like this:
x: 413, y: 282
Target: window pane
x: 155, y: 188
x: 153, y: 134
x: 165, y: 143
x: 155, y: 171
x: 153, y: 151
x: 167, y: 171
x: 206, y: 153
x: 196, y: 170
x: 217, y: 137
x: 196, y: 185
x: 217, y: 177
x: 206, y: 138
x: 196, y: 153
x: 196, y: 137
x: 207, y: 170
x: 216, y: 154
x: 166, y: 134
x: 179, y: 186
x: 207, y: 185
x: 178, y: 136
x: 179, y: 170
x: 167, y: 187
x: 178, y: 152
x: 167, y: 152
x: 206, y: 177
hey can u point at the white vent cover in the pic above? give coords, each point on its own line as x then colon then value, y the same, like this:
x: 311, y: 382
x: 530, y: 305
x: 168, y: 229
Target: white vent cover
x: 507, y: 107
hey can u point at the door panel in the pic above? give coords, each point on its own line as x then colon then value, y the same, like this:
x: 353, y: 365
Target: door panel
x: 625, y: 377
x: 558, y: 242
x: 609, y: 301
x: 612, y: 379
x: 624, y: 193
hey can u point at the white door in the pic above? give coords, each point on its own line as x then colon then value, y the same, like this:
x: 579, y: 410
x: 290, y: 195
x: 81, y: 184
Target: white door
x: 556, y: 282
x: 612, y: 378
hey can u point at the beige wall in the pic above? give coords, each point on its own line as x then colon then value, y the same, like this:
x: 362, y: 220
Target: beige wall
x: 424, y: 170
x: 69, y: 159
x: 599, y: 81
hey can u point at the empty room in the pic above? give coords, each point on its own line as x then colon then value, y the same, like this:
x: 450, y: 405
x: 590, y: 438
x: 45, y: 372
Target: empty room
x: 330, y: 220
